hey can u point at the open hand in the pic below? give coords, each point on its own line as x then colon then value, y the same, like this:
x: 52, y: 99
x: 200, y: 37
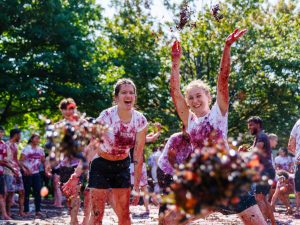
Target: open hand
x: 136, y: 196
x: 69, y: 188
x: 158, y: 126
x: 235, y: 36
x: 176, y: 50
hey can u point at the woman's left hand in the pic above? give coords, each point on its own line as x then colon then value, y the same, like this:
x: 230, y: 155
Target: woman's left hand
x: 136, y: 195
x: 235, y: 36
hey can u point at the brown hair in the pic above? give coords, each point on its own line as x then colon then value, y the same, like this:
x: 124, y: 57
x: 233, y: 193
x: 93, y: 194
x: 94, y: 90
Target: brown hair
x: 120, y: 82
x: 31, y: 138
x: 65, y: 102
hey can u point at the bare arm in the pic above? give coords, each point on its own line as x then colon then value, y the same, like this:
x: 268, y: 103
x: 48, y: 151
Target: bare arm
x: 138, y: 160
x: 8, y: 165
x: 222, y: 87
x: 178, y: 99
x: 46, y: 166
x: 22, y: 166
x: 275, y: 195
x: 260, y: 147
x: 152, y: 137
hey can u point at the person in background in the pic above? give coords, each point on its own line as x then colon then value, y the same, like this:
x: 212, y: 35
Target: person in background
x: 262, y: 145
x: 69, y: 163
x: 53, y: 164
x: 150, y: 138
x: 45, y: 180
x: 273, y: 143
x: 294, y: 148
x: 284, y: 161
x: 152, y: 162
x: 13, y: 182
x: 7, y: 164
x: 284, y: 164
x: 282, y: 191
x: 32, y: 156
x: 176, y: 151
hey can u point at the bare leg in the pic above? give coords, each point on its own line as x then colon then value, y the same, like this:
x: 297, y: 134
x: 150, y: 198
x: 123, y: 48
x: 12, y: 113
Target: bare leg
x: 9, y: 197
x: 284, y: 198
x: 74, y: 206
x: 3, y: 208
x: 121, y: 199
x: 170, y: 217
x: 173, y: 217
x: 252, y: 216
x: 86, y: 207
x: 274, y: 198
x: 144, y: 189
x: 57, y: 192
x: 297, y: 201
x: 98, y: 198
x: 271, y: 193
x: 110, y: 199
x: 21, y: 202
x: 265, y: 207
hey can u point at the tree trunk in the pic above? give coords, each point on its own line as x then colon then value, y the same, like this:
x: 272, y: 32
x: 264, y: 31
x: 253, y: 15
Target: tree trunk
x: 4, y: 114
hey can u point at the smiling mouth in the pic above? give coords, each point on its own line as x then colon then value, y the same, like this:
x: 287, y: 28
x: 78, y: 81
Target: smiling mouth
x: 128, y: 102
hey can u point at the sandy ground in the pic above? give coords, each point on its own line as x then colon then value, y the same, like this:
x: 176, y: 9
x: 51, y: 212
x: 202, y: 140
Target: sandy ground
x: 57, y: 216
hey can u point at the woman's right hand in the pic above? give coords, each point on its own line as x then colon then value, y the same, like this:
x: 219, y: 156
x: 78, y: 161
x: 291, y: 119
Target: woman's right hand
x: 176, y: 51
x: 233, y: 37
x: 69, y: 188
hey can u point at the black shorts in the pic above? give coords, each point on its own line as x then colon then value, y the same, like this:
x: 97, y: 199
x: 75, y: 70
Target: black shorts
x: 65, y: 173
x: 164, y: 181
x: 297, y: 178
x: 262, y: 189
x: 246, y: 200
x: 105, y: 174
x: 55, y: 171
x: 2, y: 185
x: 265, y: 188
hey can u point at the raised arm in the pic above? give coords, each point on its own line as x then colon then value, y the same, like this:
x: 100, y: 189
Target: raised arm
x: 178, y: 99
x: 222, y: 89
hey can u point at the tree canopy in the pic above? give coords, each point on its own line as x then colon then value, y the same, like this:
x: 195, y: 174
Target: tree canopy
x: 64, y: 48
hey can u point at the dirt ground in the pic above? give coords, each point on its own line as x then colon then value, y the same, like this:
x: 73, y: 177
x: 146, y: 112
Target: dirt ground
x: 56, y: 216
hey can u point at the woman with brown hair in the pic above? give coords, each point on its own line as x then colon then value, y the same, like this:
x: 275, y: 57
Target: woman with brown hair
x: 110, y: 168
x: 32, y: 156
